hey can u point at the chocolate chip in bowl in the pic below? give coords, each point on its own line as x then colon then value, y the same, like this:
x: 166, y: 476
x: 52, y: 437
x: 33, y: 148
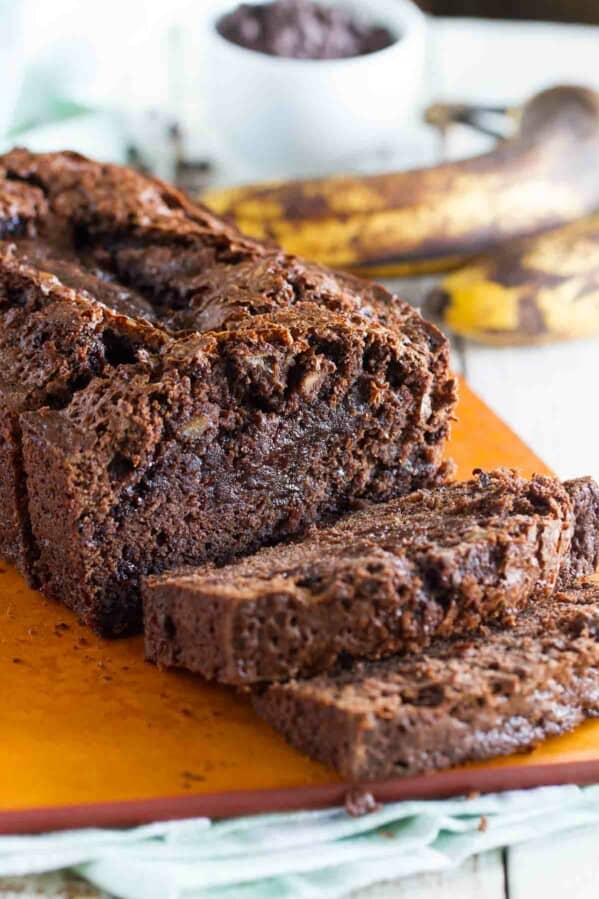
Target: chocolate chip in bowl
x: 302, y: 29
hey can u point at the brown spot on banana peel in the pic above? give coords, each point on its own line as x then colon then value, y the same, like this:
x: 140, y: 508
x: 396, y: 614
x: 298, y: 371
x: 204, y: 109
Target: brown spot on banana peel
x: 433, y: 265
x: 545, y: 176
x: 531, y: 291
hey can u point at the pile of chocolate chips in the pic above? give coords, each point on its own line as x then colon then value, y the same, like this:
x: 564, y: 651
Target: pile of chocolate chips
x: 301, y: 29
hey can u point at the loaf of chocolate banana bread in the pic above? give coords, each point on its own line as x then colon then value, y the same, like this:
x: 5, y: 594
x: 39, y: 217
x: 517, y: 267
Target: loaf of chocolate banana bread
x: 500, y: 692
x: 385, y: 579
x: 174, y: 392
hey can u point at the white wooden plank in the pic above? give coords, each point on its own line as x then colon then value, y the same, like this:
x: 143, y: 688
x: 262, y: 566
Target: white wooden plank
x: 481, y: 877
x: 564, y: 865
x: 414, y: 290
x: 549, y: 397
x: 57, y: 885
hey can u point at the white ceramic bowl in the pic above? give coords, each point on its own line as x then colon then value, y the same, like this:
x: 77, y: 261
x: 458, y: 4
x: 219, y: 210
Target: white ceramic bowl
x: 286, y: 115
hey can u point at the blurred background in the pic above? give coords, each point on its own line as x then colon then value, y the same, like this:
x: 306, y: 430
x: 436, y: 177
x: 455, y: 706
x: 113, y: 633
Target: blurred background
x: 137, y: 79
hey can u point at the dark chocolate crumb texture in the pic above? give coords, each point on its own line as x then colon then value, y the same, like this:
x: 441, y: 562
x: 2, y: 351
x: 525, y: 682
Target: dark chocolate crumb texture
x: 385, y: 579
x: 500, y: 692
x: 173, y: 392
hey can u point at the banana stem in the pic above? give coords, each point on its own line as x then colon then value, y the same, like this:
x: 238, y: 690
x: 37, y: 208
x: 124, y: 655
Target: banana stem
x: 442, y: 115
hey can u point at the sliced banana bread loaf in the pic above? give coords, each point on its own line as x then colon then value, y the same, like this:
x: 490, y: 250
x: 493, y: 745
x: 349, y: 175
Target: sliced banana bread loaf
x: 175, y: 393
x: 384, y: 579
x: 499, y: 692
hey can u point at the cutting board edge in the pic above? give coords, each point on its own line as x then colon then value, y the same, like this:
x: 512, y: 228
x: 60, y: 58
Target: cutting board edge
x: 458, y: 782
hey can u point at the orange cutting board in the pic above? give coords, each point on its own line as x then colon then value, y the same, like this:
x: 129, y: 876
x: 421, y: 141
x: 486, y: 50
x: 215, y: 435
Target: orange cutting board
x: 93, y: 735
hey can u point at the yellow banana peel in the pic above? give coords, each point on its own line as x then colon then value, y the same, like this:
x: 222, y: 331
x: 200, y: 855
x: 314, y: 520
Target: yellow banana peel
x: 431, y: 219
x: 531, y: 291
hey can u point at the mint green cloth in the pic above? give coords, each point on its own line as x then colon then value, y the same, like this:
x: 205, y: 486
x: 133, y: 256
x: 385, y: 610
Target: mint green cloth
x: 305, y: 855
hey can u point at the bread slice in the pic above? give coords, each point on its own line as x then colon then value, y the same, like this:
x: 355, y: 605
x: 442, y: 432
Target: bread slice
x: 53, y: 340
x: 499, y: 692
x: 175, y: 393
x: 383, y: 580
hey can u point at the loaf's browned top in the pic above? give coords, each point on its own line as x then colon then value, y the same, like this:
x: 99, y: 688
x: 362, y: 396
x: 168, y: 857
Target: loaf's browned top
x: 99, y: 244
x: 139, y: 246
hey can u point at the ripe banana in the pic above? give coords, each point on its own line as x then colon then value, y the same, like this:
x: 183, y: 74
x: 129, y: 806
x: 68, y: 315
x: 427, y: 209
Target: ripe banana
x: 537, y: 290
x: 429, y: 219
